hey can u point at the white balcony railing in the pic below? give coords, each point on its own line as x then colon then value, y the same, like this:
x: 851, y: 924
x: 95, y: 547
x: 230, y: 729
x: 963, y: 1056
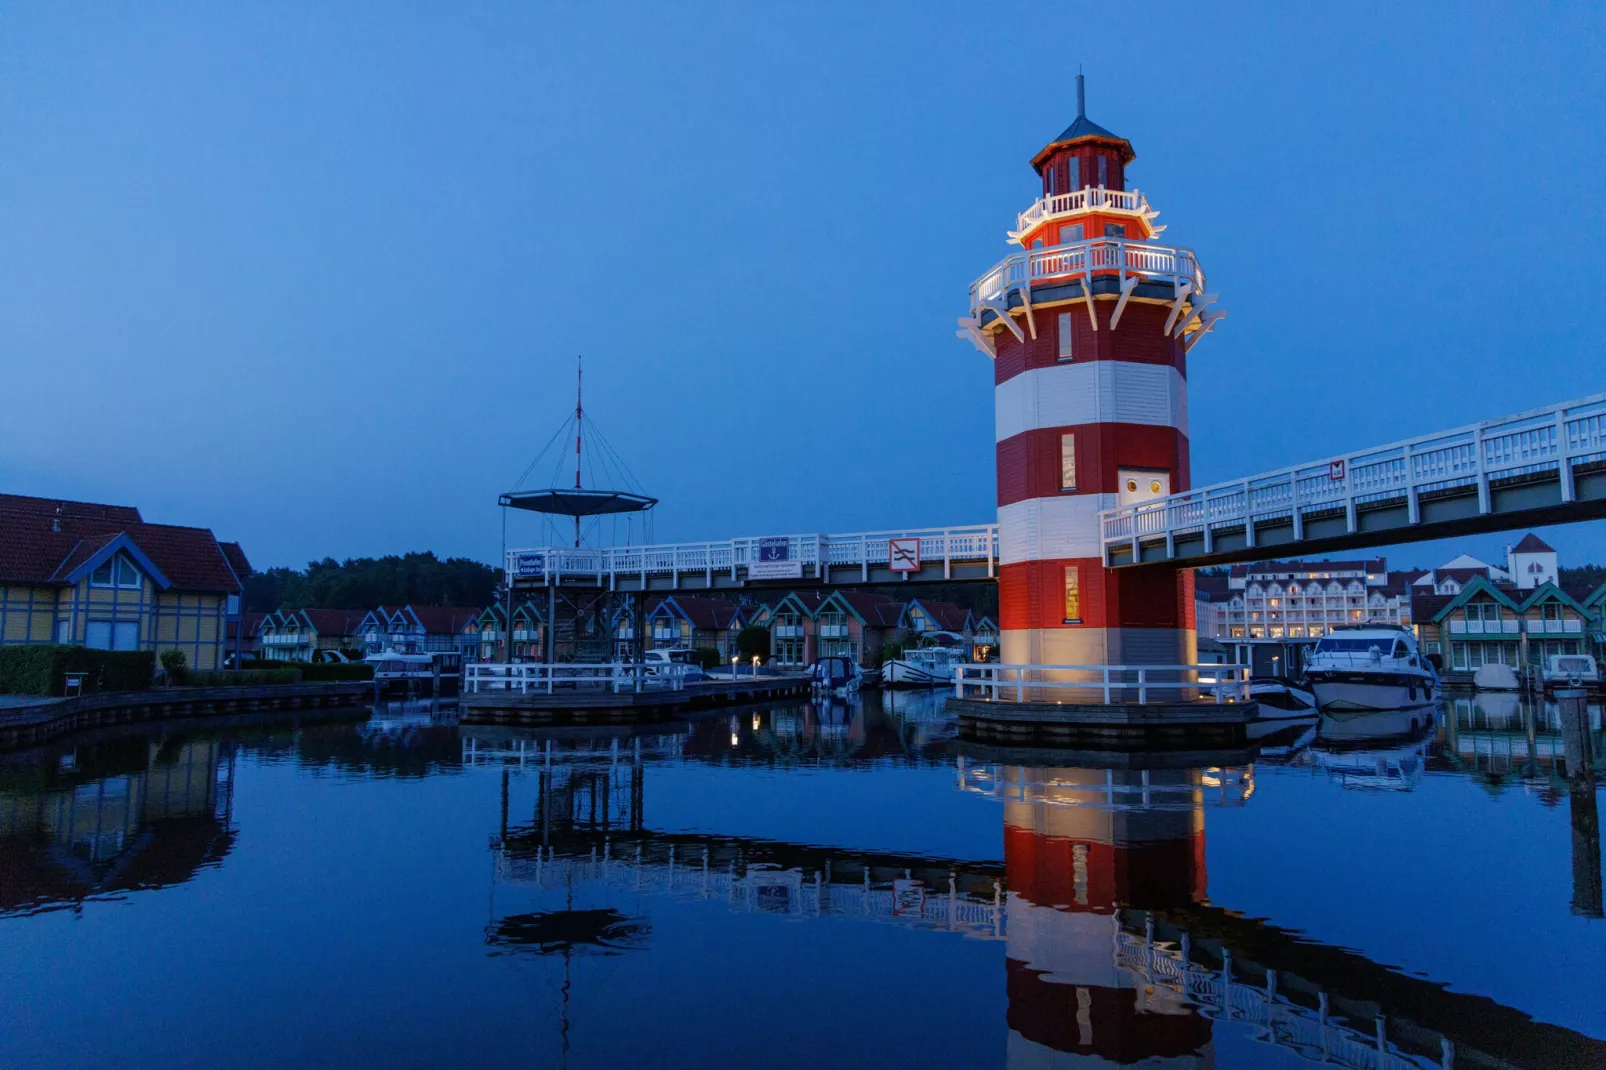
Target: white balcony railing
x: 617, y: 677
x: 1112, y: 200
x: 939, y: 548
x: 1161, y: 263
x: 1551, y: 439
x: 1102, y: 683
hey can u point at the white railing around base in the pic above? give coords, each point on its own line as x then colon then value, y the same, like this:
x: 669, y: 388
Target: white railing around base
x: 1112, y: 200
x: 1078, y: 259
x: 1551, y: 439
x: 617, y: 677
x: 1109, y: 683
x: 774, y: 555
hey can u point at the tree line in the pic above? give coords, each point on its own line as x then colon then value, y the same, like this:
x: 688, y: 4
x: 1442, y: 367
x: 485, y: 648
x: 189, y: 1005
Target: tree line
x: 365, y: 582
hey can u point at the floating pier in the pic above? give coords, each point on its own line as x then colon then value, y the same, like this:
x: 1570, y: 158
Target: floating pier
x: 47, y: 719
x: 584, y: 702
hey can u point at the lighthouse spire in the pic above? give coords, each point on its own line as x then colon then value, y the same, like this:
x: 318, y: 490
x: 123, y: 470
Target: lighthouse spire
x: 1081, y: 97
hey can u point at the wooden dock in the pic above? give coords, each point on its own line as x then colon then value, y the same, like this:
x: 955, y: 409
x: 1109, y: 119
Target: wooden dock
x: 580, y: 705
x: 1105, y: 726
x: 39, y: 722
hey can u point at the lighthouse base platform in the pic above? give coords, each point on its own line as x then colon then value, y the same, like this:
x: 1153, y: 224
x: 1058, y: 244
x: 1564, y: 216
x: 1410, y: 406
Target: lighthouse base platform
x: 1105, y: 726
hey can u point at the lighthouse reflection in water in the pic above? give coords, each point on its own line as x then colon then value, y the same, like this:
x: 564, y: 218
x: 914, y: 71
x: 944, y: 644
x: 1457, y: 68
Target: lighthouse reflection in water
x: 842, y: 882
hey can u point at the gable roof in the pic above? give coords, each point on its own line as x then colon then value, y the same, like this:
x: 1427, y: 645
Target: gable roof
x: 440, y: 620
x: 1533, y: 544
x: 1476, y: 586
x: 333, y: 621
x: 872, y: 610
x: 43, y: 541
x: 704, y: 613
x: 947, y: 616
x: 1549, y: 592
x: 236, y: 559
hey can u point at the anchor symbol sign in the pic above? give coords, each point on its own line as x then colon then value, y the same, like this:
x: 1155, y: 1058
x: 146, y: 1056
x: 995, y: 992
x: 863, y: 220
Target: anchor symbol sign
x: 903, y: 555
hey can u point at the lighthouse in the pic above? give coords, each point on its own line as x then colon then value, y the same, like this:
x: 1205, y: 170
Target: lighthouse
x: 1089, y: 327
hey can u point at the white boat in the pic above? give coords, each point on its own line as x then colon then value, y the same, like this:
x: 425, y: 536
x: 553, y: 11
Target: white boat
x: 1563, y: 670
x: 1371, y: 769
x: 1351, y: 726
x: 441, y: 670
x: 925, y: 666
x: 1495, y: 677
x: 1366, y: 668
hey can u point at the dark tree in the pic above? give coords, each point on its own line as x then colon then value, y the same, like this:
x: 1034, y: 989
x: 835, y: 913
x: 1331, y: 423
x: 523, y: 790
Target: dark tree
x: 366, y: 582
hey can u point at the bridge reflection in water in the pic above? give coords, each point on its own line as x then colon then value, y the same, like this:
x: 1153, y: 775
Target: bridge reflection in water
x: 1114, y: 954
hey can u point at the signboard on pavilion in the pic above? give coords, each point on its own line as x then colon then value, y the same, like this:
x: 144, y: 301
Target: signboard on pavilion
x: 903, y: 555
x: 775, y: 561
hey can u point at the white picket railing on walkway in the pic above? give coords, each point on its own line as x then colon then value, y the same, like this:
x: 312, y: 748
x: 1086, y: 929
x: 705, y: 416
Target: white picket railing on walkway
x: 937, y: 548
x: 1552, y: 439
x: 1107, y: 683
x: 538, y: 677
x: 1075, y: 260
x: 1114, y: 200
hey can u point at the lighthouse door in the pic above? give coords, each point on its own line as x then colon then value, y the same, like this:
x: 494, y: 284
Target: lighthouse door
x: 1139, y: 485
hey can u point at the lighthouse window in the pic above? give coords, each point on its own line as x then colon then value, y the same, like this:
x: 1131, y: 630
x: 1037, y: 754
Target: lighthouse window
x: 1074, y: 169
x: 1070, y: 232
x: 1104, y: 171
x: 1073, y: 594
x: 1065, y: 336
x: 1067, y: 462
x: 1114, y: 230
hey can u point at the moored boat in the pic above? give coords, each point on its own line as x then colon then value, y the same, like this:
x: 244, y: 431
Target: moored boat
x: 1367, y: 668
x: 930, y: 665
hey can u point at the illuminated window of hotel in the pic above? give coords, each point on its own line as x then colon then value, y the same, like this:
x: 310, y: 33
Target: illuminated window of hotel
x: 1065, y: 336
x: 1073, y: 594
x: 1067, y: 462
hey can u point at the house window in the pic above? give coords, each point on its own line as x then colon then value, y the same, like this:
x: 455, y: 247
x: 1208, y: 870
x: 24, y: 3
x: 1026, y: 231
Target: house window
x: 1104, y: 171
x: 1067, y: 462
x: 1066, y: 337
x: 64, y: 631
x: 112, y: 635
x: 1073, y: 594
x: 98, y: 635
x: 117, y: 571
x: 102, y: 576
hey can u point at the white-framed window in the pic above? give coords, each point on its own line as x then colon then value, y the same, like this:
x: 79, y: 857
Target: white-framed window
x: 116, y: 571
x: 1067, y: 461
x: 1066, y: 337
x: 64, y: 631
x: 1073, y: 594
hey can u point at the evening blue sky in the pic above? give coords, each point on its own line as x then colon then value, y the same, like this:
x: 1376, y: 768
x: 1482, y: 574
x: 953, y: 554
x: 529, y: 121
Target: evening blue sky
x: 315, y: 275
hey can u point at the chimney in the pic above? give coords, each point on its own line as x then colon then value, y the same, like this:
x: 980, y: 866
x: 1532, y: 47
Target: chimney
x: 55, y: 521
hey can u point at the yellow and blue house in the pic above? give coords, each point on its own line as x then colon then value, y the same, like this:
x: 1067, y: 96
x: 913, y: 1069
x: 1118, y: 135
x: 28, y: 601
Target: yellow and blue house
x: 99, y: 576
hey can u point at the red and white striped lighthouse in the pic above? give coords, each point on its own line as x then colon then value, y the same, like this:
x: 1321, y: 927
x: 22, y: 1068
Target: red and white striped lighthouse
x: 1089, y: 327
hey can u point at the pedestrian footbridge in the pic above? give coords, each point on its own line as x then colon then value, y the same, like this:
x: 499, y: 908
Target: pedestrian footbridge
x: 1543, y: 466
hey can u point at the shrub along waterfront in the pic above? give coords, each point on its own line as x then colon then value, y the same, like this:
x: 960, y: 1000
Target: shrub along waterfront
x: 43, y: 670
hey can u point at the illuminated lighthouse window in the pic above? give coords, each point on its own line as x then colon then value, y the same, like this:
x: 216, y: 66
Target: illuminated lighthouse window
x: 1067, y: 462
x: 1073, y: 594
x: 1065, y: 336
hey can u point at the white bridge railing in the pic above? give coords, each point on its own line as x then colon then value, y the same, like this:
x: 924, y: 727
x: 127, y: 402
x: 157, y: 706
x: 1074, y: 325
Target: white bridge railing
x: 1081, y: 200
x: 1553, y: 439
x: 539, y: 677
x: 1077, y: 259
x: 1107, y: 683
x: 777, y: 556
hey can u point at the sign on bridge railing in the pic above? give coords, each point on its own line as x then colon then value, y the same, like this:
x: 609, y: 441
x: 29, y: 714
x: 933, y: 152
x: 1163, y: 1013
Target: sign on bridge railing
x: 775, y: 561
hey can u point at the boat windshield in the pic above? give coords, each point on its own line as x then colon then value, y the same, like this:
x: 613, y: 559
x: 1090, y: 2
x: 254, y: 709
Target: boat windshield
x: 1334, y: 645
x: 1574, y: 665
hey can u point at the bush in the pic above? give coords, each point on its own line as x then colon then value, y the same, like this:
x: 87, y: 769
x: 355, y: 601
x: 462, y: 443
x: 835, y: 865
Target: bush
x: 242, y: 678
x: 176, y: 665
x: 43, y: 669
x: 707, y: 657
x: 332, y: 671
x: 753, y: 641
x: 889, y: 652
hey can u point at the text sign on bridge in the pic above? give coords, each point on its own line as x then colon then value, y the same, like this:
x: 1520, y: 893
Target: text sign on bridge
x: 528, y: 566
x: 775, y: 561
x: 903, y: 555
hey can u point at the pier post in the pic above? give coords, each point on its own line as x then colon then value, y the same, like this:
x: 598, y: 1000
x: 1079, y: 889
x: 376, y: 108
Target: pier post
x: 1577, y: 746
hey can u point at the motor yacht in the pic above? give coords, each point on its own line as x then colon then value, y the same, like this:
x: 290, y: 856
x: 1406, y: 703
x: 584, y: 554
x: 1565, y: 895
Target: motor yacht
x: 1366, y: 668
x: 929, y: 665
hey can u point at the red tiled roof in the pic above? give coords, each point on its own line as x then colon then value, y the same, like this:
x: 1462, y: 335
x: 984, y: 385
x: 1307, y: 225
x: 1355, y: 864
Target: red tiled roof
x: 236, y: 559
x: 1533, y: 544
x: 949, y: 617
x: 706, y: 614
x: 442, y: 620
x: 334, y: 621
x: 877, y: 610
x: 43, y: 541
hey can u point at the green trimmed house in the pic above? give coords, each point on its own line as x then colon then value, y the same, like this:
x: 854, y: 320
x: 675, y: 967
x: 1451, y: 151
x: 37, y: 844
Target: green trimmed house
x: 1488, y: 624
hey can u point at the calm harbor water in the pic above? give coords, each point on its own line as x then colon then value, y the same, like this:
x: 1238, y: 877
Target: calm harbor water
x: 833, y: 883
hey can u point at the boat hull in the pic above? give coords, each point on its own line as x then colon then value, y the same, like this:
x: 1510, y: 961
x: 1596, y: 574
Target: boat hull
x: 1356, y: 725
x: 899, y: 673
x: 1367, y: 692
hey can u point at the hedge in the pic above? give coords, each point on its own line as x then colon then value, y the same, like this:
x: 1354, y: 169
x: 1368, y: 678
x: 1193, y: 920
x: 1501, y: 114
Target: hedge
x: 42, y: 669
x: 331, y: 671
x: 242, y: 678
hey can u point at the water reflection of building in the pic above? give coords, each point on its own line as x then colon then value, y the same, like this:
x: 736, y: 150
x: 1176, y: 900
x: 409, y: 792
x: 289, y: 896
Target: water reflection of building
x: 111, y: 818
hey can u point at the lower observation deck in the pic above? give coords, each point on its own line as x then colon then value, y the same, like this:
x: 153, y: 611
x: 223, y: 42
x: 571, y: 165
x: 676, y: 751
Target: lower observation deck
x: 1543, y: 466
x: 929, y: 554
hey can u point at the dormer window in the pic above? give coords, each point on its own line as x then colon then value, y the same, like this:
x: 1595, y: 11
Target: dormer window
x: 118, y: 571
